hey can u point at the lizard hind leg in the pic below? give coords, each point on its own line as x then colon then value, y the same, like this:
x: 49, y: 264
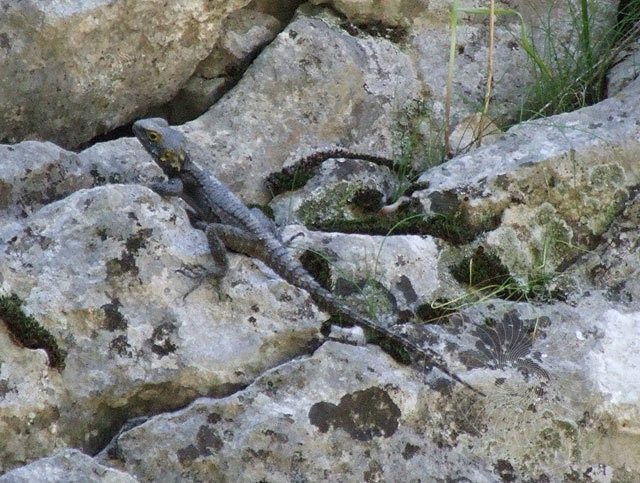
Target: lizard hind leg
x: 267, y: 223
x: 271, y: 227
x: 221, y: 237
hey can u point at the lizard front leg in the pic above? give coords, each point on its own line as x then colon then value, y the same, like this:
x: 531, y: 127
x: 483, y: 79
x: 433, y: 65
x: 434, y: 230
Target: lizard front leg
x: 173, y: 187
x: 220, y: 237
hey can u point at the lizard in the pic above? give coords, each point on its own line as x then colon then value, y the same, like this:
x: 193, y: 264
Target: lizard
x: 229, y: 224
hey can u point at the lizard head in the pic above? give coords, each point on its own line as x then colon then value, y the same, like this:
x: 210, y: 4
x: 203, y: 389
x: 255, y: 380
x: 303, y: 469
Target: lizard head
x: 166, y: 145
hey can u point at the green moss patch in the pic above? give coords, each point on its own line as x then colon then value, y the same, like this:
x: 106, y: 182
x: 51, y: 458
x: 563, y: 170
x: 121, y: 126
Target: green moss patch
x: 28, y: 332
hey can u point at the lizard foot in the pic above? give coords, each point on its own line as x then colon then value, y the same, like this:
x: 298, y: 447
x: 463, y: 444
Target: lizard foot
x: 200, y: 274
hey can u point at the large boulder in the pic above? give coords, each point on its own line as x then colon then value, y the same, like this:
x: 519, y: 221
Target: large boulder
x: 102, y: 274
x: 72, y: 70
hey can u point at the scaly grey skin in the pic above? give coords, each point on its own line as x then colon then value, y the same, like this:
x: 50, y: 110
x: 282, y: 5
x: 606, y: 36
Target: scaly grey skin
x: 229, y: 223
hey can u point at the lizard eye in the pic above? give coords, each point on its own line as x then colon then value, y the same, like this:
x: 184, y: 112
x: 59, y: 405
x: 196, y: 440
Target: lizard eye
x: 153, y: 136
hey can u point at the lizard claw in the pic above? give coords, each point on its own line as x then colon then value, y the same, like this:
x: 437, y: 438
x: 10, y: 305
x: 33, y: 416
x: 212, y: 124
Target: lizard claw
x: 200, y: 274
x: 192, y: 271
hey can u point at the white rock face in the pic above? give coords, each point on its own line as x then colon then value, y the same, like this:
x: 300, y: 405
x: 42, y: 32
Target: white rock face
x: 243, y: 35
x: 428, y: 37
x: 348, y: 412
x: 613, y: 368
x: 341, y: 415
x: 359, y: 84
x: 406, y: 266
x: 554, y: 185
x: 99, y: 271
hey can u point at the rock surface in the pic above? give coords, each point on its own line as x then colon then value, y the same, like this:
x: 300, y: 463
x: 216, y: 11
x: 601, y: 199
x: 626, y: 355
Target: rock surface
x: 625, y: 70
x: 556, y: 185
x: 516, y: 263
x: 352, y: 414
x: 67, y: 466
x: 109, y: 291
x: 72, y: 70
x: 244, y: 33
x: 313, y: 62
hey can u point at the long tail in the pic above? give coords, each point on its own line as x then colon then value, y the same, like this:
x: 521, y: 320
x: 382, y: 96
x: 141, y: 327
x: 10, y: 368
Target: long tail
x: 293, y: 272
x: 282, y: 180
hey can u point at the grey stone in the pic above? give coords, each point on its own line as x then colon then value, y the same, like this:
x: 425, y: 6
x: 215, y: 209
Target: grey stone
x: 391, y: 273
x: 348, y: 412
x: 392, y: 12
x: 613, y: 266
x: 625, y: 70
x: 72, y: 70
x: 314, y: 85
x: 342, y: 189
x: 100, y: 271
x: 221, y: 380
x: 555, y: 184
x: 35, y: 173
x: 68, y: 466
x: 341, y: 415
x: 244, y: 33
x: 422, y: 28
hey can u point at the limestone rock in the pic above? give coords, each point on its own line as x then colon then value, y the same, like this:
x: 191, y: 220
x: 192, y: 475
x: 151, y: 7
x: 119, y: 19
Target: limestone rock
x: 613, y: 266
x: 422, y: 28
x: 342, y: 189
x: 35, y: 174
x: 399, y: 273
x: 314, y: 85
x: 626, y: 69
x: 100, y: 271
x: 72, y: 70
x: 347, y: 413
x: 473, y: 130
x: 103, y: 270
x: 244, y: 33
x: 391, y: 12
x: 67, y: 466
x: 556, y: 184
x: 341, y: 415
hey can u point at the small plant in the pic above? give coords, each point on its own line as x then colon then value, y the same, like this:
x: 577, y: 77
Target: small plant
x: 574, y: 76
x: 418, y: 144
x: 567, y: 77
x: 486, y: 277
x: 491, y: 11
